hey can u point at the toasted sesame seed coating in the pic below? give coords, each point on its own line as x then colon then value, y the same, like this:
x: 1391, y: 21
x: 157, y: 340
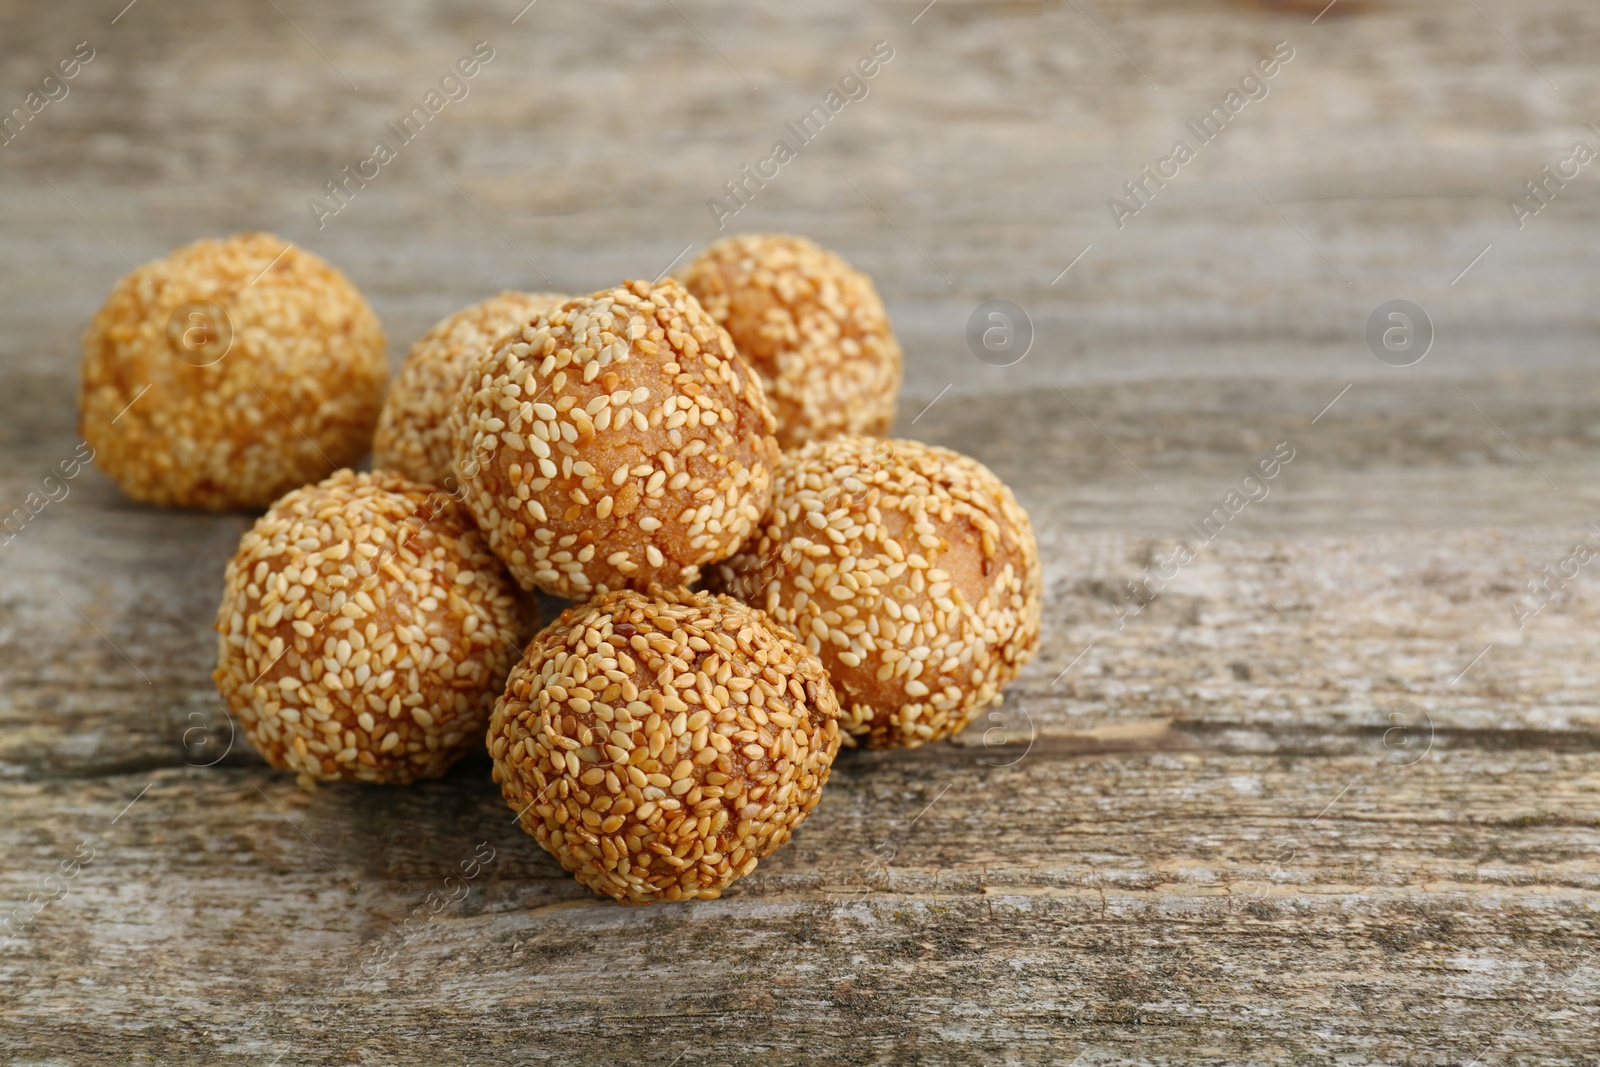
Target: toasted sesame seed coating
x: 286, y: 387
x: 365, y: 631
x: 618, y: 442
x: 910, y: 569
x: 813, y: 327
x: 660, y: 744
x: 414, y: 437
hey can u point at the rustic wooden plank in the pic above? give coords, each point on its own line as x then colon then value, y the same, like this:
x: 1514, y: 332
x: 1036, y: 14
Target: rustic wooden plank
x: 1202, y: 840
x: 1183, y: 902
x: 1197, y: 838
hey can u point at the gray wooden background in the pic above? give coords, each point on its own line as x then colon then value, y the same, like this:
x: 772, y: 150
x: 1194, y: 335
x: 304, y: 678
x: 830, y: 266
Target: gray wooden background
x: 1323, y: 801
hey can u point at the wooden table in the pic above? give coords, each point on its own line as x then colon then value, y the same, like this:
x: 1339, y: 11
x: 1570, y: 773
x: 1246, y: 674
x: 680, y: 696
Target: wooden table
x: 1323, y: 800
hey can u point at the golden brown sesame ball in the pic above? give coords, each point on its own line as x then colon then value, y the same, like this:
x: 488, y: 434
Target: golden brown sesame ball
x: 366, y: 630
x: 413, y: 436
x: 660, y: 744
x: 811, y: 325
x: 619, y: 441
x: 230, y: 372
x: 910, y: 569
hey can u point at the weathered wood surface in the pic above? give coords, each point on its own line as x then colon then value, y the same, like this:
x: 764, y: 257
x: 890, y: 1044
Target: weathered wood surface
x: 1200, y: 837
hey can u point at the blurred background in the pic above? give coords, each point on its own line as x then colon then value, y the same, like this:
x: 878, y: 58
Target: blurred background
x: 1381, y: 163
x: 979, y: 166
x: 1190, y: 839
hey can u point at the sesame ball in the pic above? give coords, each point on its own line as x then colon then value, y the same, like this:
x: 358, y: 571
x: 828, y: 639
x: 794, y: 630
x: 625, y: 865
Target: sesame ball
x: 617, y: 442
x: 230, y: 372
x: 813, y: 327
x: 365, y: 631
x: 413, y: 436
x: 659, y: 744
x: 910, y: 569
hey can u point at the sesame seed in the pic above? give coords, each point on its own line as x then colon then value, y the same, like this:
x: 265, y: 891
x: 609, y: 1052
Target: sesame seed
x: 813, y: 328
x: 607, y: 367
x: 922, y: 628
x: 425, y: 618
x: 646, y: 816
x: 414, y: 436
x: 226, y: 433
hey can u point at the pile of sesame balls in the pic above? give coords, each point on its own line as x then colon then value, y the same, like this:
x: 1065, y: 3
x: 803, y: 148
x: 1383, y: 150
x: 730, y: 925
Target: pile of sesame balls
x: 758, y: 575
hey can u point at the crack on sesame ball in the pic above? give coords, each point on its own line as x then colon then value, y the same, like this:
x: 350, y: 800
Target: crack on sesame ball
x: 365, y: 631
x: 297, y: 390
x: 616, y: 442
x: 909, y: 569
x: 813, y: 327
x: 414, y: 437
x: 659, y: 745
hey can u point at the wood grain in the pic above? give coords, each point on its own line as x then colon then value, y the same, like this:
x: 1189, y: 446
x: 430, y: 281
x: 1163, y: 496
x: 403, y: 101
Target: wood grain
x: 1323, y: 800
